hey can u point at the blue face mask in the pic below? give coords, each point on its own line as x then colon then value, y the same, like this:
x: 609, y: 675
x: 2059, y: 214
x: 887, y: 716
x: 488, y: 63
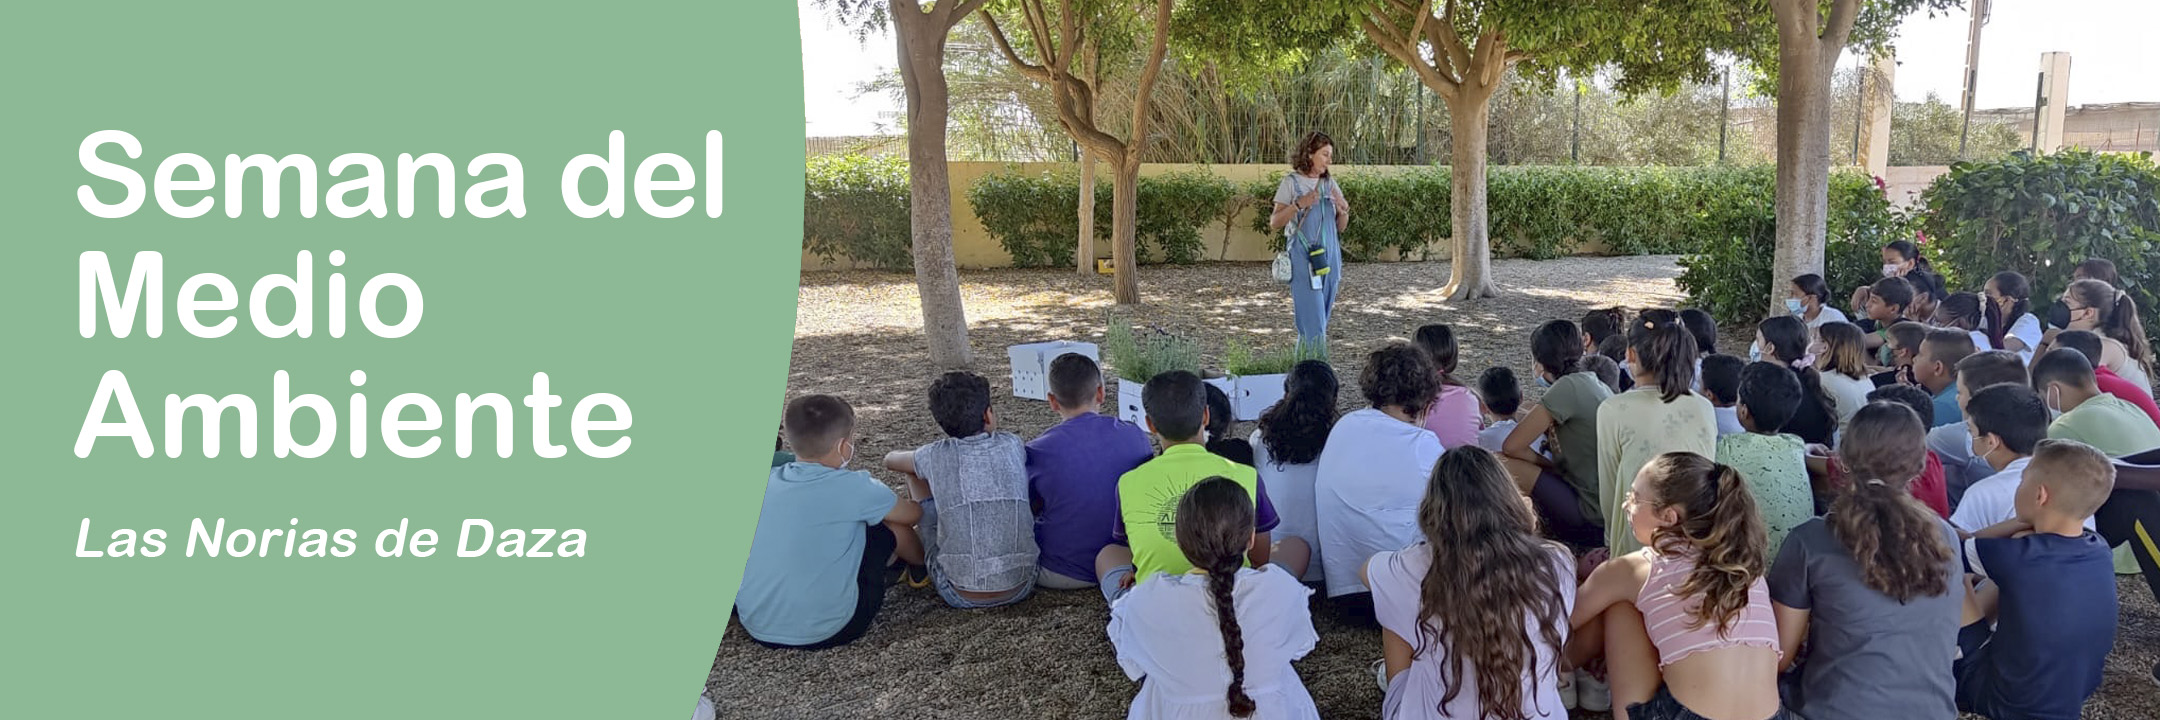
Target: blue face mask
x: 1540, y: 381
x: 1754, y: 353
x: 1792, y: 305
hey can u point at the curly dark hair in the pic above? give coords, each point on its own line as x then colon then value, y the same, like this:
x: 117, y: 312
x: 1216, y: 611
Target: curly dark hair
x: 1490, y: 572
x: 1301, y: 158
x: 1295, y: 429
x: 1400, y: 375
x: 958, y: 400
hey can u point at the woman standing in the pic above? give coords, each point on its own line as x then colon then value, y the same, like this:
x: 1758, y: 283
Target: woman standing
x: 1310, y: 203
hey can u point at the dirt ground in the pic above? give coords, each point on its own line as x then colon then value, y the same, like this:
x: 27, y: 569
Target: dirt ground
x: 858, y: 335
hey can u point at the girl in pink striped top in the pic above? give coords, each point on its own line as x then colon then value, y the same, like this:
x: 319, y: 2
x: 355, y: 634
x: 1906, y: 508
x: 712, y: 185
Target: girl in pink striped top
x: 1685, y: 624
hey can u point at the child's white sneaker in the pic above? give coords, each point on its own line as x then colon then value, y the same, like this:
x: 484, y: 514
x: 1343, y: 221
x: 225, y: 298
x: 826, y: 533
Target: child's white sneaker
x: 1591, y: 694
x: 1568, y: 698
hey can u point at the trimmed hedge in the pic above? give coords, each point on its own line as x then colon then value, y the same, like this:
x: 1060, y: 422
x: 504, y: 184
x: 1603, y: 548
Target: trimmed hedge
x: 1729, y: 275
x: 2041, y: 215
x: 856, y: 207
x: 1036, y: 217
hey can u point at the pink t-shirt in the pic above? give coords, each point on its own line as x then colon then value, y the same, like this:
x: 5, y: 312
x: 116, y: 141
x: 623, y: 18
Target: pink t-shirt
x: 1454, y: 417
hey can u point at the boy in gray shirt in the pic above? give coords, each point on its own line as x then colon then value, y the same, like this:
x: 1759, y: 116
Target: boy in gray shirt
x: 978, y: 530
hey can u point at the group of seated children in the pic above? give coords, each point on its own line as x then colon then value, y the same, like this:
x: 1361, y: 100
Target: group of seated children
x: 1895, y: 519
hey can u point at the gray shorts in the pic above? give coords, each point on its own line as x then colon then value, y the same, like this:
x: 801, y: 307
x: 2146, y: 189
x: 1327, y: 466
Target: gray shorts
x: 927, y: 529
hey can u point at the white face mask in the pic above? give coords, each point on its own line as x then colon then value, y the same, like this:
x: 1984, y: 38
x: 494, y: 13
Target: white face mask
x: 1889, y: 269
x: 1973, y: 446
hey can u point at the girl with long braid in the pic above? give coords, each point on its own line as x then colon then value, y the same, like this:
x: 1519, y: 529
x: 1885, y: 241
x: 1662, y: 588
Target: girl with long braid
x: 1216, y: 642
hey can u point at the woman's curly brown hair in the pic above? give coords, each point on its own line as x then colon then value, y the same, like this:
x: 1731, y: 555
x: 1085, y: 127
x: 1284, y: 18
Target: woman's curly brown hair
x: 1301, y: 158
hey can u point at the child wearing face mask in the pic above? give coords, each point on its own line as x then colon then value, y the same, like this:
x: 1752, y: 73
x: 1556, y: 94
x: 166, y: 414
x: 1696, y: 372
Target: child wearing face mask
x: 2098, y: 307
x: 1563, y: 487
x: 825, y: 537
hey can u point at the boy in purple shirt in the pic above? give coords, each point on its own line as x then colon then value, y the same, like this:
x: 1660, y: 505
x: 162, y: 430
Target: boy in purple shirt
x: 1073, y: 471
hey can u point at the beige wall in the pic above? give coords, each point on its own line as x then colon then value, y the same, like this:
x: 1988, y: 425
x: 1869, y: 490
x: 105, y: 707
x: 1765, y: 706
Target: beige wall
x: 973, y: 247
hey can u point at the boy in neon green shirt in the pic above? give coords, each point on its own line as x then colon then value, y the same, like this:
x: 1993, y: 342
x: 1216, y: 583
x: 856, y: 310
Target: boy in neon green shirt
x: 1176, y: 406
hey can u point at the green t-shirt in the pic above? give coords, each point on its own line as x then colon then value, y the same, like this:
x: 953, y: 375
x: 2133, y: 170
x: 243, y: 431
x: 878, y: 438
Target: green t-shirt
x: 2110, y: 424
x: 1573, y: 402
x: 1633, y: 428
x: 1147, y: 503
x: 1775, y: 469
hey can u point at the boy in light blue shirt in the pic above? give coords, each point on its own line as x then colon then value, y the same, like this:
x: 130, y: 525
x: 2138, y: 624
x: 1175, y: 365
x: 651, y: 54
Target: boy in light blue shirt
x: 825, y: 537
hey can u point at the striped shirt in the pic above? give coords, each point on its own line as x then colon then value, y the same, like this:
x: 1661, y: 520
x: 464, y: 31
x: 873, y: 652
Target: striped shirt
x: 1669, y: 617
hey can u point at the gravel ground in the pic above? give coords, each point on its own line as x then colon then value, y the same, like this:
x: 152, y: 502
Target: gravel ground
x: 858, y: 335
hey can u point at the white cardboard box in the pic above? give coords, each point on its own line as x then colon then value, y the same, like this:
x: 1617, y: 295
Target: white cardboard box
x: 1031, y: 365
x: 1128, y: 398
x: 1254, y: 394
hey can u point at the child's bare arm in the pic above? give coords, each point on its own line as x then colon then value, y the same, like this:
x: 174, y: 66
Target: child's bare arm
x: 1618, y: 580
x: 1792, y: 627
x: 1262, y: 548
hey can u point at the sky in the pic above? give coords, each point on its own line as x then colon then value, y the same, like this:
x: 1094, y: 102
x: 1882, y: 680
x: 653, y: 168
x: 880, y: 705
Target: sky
x: 2114, y: 47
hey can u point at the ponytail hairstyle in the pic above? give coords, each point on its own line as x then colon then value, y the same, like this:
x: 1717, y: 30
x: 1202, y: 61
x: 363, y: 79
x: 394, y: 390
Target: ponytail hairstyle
x: 1439, y: 341
x: 2118, y: 316
x: 1214, y: 529
x: 2015, y: 288
x: 1489, y: 571
x: 1295, y: 429
x: 1557, y: 346
x: 1719, y: 523
x: 1666, y: 351
x: 1896, y: 542
x: 1812, y: 285
x: 1962, y: 311
x: 1788, y: 340
x: 1905, y: 249
x: 2101, y: 269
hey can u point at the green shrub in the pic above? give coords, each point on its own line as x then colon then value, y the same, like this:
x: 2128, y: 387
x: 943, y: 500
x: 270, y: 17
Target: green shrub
x: 2041, y: 215
x: 1241, y: 359
x: 856, y: 207
x: 1729, y: 275
x: 1036, y: 217
x: 1139, y: 354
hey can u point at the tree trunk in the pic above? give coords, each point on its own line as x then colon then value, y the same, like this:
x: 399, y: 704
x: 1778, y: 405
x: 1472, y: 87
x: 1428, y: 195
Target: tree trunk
x: 1803, y: 163
x: 1124, y: 227
x: 921, y: 45
x: 1084, y: 255
x: 1470, y: 270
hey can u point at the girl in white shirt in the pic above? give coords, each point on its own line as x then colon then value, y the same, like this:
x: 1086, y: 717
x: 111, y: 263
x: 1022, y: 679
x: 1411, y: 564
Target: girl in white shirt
x: 1808, y: 298
x: 2010, y: 323
x: 1216, y: 642
x: 1843, y: 364
x: 1474, y: 616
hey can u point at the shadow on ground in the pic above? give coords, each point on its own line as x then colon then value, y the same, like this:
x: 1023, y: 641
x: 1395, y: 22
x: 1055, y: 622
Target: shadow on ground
x: 858, y: 335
